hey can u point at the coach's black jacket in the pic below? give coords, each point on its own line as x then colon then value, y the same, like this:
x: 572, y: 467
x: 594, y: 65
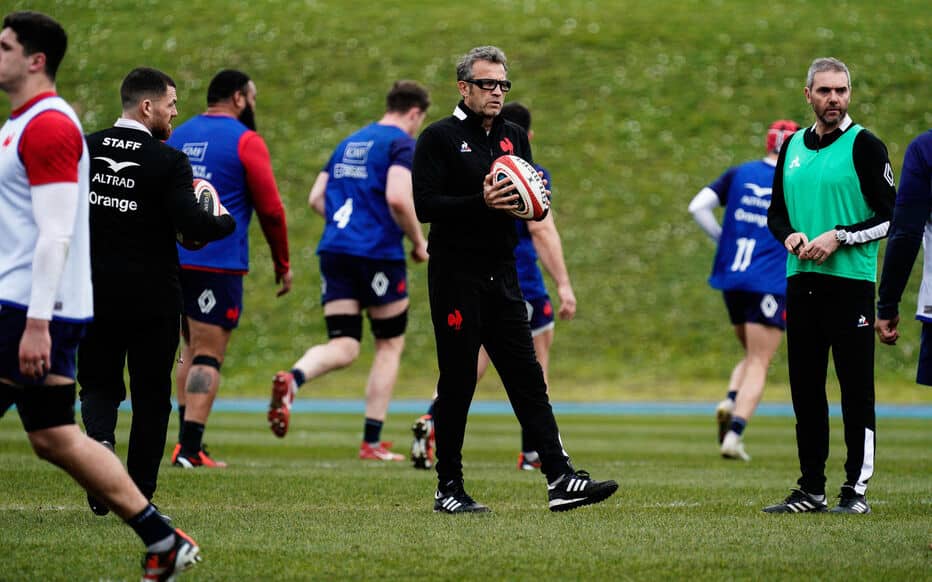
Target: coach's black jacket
x: 451, y: 159
x: 141, y: 195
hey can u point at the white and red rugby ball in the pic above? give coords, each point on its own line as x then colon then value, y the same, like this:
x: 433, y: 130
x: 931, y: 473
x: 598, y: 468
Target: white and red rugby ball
x: 208, y: 201
x: 533, y: 202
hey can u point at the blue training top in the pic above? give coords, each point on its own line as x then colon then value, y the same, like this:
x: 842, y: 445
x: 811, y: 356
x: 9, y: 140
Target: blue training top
x: 359, y: 222
x: 748, y: 258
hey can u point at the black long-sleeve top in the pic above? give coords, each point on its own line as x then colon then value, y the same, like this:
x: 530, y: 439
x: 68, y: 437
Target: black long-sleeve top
x: 912, y: 212
x: 875, y: 175
x: 141, y: 196
x: 451, y: 159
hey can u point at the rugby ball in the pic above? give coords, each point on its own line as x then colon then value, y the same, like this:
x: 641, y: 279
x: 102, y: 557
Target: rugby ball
x: 208, y: 201
x: 533, y: 202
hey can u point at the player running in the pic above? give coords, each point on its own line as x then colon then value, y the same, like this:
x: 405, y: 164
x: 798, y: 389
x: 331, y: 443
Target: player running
x: 750, y: 269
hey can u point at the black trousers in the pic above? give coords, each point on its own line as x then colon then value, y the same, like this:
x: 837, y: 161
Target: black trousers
x: 148, y: 347
x: 473, y: 306
x: 831, y: 313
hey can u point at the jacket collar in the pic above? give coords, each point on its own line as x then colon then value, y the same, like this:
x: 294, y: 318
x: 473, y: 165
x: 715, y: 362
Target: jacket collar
x: 468, y: 116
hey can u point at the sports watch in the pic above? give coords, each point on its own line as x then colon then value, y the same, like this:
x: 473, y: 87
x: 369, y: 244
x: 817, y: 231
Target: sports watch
x: 841, y: 236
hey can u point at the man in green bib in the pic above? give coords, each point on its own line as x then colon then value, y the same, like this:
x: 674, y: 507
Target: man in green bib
x: 833, y: 197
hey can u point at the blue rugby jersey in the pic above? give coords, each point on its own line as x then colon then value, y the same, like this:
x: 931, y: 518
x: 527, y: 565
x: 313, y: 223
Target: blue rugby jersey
x: 748, y: 257
x: 530, y: 277
x: 212, y: 144
x: 359, y: 222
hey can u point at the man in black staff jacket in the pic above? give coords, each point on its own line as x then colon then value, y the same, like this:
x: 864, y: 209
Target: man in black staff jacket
x: 474, y: 295
x: 141, y: 197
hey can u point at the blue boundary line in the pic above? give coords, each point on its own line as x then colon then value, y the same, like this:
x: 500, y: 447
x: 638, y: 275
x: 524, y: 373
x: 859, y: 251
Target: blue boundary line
x: 498, y: 407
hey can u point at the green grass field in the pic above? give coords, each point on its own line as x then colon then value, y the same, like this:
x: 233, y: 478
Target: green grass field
x: 305, y: 508
x: 637, y: 106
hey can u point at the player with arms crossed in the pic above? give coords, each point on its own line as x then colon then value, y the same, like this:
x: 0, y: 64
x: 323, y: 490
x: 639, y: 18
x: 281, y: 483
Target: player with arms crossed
x: 45, y: 282
x: 536, y: 239
x: 364, y: 193
x: 750, y: 269
x: 224, y: 148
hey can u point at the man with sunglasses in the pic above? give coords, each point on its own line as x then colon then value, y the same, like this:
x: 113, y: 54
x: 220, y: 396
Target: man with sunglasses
x: 474, y: 294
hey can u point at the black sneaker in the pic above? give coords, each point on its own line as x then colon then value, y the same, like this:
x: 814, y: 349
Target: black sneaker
x: 574, y: 490
x: 455, y: 500
x: 165, y: 566
x: 850, y: 502
x: 798, y: 502
x: 96, y: 505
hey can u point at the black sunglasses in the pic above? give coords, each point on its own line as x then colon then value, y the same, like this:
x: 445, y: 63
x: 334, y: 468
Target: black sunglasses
x: 490, y: 84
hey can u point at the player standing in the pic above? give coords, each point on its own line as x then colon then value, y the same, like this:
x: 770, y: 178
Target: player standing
x: 536, y: 240
x: 833, y: 196
x: 224, y: 148
x: 364, y: 193
x: 910, y: 229
x: 750, y: 270
x: 142, y: 197
x: 474, y: 295
x: 45, y: 282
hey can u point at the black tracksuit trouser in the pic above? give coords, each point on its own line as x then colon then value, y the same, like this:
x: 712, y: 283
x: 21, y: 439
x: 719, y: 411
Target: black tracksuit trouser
x: 148, y: 347
x: 831, y: 313
x: 472, y: 306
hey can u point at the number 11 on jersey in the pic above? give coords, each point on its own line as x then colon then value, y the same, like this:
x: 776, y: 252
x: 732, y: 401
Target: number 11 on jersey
x: 743, y: 254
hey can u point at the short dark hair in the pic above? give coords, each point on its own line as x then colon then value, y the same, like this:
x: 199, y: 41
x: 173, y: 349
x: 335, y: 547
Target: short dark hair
x: 143, y: 82
x: 517, y: 113
x: 406, y: 95
x: 492, y: 54
x: 225, y: 84
x: 39, y: 33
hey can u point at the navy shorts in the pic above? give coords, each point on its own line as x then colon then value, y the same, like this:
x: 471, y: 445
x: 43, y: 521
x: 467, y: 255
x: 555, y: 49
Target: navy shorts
x: 214, y: 298
x: 540, y: 314
x: 369, y: 281
x: 39, y: 406
x: 924, y: 371
x: 750, y: 307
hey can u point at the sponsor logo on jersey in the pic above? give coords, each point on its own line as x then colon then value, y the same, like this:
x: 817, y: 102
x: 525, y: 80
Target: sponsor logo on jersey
x: 195, y: 150
x: 742, y: 215
x: 121, y: 204
x: 794, y: 163
x: 353, y: 164
x: 758, y: 191
x: 8, y: 140
x: 109, y: 180
x: 114, y: 165
x: 888, y: 173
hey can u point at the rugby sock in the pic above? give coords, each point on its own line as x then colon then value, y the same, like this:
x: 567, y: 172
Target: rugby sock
x: 299, y: 378
x: 738, y: 424
x: 152, y: 529
x: 732, y: 394
x: 180, y: 422
x: 372, y: 432
x: 191, y: 441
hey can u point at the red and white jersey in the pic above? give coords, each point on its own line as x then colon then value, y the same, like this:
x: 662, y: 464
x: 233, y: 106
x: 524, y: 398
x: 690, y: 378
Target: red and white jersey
x: 39, y: 146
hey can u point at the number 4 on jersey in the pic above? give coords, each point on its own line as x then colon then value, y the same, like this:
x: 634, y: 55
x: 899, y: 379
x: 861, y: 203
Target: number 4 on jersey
x: 743, y: 255
x: 343, y: 214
